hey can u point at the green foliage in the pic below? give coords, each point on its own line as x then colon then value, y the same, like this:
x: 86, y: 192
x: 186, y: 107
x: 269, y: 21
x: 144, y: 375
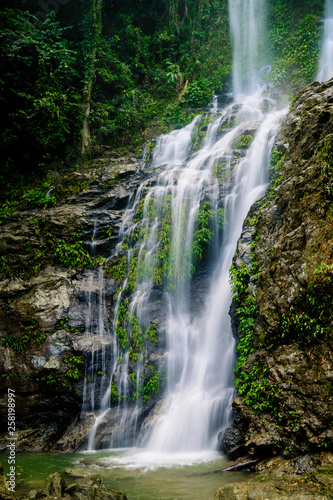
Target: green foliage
x: 115, y: 398
x: 295, y: 41
x: 325, y: 156
x: 153, y: 385
x: 31, y: 335
x: 199, y: 93
x: 75, y: 368
x: 151, y: 333
x: 200, y: 131
x: 253, y: 385
x: 259, y: 393
x: 174, y: 75
x: 162, y: 263
x: 167, y: 267
x: 38, y: 197
x: 310, y: 320
x: 136, y: 339
x: 220, y: 218
x: 243, y: 141
x: 70, y: 252
x: 37, y: 88
x: 117, y: 269
x: 245, y: 313
x: 276, y: 160
x: 138, y: 59
x: 203, y: 234
x: 122, y: 325
x: 132, y: 281
x: 72, y: 255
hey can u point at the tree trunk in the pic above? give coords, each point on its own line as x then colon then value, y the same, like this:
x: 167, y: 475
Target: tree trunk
x: 90, y: 73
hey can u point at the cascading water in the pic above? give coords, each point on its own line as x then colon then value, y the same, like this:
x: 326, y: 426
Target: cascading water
x: 326, y: 58
x: 247, y: 23
x: 196, y: 206
x: 201, y: 349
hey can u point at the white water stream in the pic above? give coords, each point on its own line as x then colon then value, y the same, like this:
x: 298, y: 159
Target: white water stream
x: 201, y: 349
x: 326, y: 58
x: 200, y: 346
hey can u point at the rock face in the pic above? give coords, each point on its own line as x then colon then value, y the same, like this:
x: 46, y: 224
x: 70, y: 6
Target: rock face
x: 45, y: 343
x: 282, y: 317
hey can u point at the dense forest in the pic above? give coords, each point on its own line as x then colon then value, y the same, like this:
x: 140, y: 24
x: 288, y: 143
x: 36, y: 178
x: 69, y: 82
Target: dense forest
x: 76, y: 74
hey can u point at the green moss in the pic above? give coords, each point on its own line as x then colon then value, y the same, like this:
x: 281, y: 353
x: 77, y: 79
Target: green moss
x: 203, y: 234
x: 243, y: 141
x: 311, y: 318
x: 152, y: 385
x: 221, y: 171
x: 30, y: 258
x: 151, y: 333
x: 259, y: 393
x: 132, y: 281
x: 115, y: 398
x: 136, y: 339
x: 122, y: 325
x: 31, y: 335
x: 117, y: 269
x: 72, y: 255
x: 220, y: 218
x: 200, y: 132
x: 276, y: 160
x: 75, y: 367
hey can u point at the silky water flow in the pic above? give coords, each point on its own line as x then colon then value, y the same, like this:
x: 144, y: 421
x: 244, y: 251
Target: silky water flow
x: 326, y: 58
x: 200, y: 356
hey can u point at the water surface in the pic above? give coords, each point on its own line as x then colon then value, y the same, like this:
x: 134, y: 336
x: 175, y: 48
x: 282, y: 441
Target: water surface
x: 139, y: 474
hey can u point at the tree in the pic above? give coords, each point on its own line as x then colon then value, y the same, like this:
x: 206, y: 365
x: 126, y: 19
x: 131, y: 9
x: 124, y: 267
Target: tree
x: 38, y: 92
x: 93, y: 29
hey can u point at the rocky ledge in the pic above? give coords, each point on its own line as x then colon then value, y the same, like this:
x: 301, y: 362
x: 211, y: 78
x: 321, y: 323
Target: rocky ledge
x: 302, y: 478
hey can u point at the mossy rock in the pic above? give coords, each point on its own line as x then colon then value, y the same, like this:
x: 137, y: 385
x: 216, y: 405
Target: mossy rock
x: 243, y: 141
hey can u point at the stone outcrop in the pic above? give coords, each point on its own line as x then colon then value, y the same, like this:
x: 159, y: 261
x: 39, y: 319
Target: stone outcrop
x: 285, y: 401
x: 302, y: 478
x: 55, y: 487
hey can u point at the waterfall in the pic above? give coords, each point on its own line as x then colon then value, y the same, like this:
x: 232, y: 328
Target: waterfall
x: 326, y: 58
x: 247, y: 23
x: 201, y: 349
x: 196, y: 206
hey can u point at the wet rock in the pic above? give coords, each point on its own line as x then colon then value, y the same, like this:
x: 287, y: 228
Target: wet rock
x: 305, y: 464
x: 5, y: 493
x: 267, y: 491
x: 54, y: 485
x: 290, y: 241
x: 232, y: 442
x: 92, y: 488
x: 86, y: 488
x: 277, y: 480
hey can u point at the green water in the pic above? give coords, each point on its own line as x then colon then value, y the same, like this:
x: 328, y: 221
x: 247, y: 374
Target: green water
x: 142, y: 476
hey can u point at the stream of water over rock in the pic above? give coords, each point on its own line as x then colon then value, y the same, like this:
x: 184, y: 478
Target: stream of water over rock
x: 326, y: 58
x: 209, y: 173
